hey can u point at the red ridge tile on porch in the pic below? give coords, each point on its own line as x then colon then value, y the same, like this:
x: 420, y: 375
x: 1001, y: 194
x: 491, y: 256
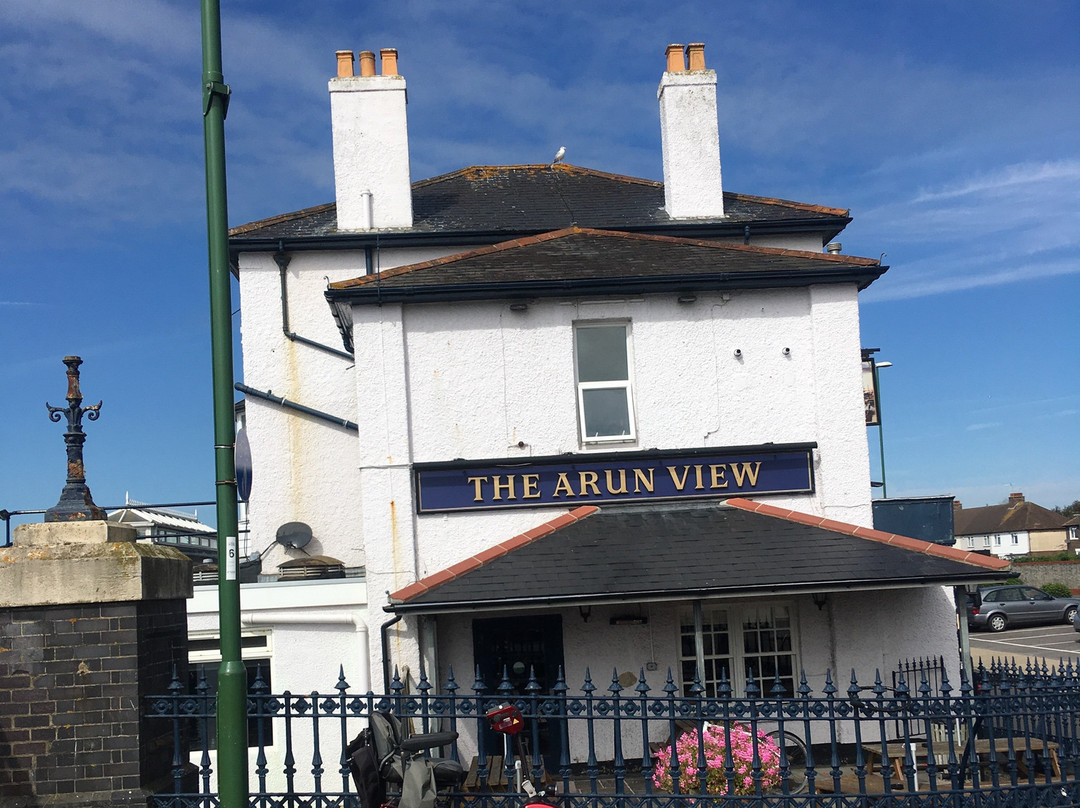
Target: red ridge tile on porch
x: 893, y: 539
x: 489, y: 554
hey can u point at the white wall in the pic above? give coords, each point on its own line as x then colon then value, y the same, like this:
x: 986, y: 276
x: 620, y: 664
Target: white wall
x: 312, y: 630
x: 304, y: 469
x: 999, y: 544
x: 472, y: 380
x: 857, y: 631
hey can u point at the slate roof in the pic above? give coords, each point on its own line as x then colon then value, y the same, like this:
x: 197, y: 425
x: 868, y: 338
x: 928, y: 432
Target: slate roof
x: 679, y: 551
x: 1008, y: 518
x: 581, y: 262
x: 576, y: 253
x: 538, y: 198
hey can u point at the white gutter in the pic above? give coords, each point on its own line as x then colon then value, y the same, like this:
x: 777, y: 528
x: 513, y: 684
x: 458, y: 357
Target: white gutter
x: 335, y: 618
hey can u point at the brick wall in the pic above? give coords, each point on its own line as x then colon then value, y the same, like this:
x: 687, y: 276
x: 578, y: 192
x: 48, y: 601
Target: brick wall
x: 72, y: 682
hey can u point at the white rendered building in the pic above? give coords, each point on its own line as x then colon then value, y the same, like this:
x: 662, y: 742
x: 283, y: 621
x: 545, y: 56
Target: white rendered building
x: 565, y: 418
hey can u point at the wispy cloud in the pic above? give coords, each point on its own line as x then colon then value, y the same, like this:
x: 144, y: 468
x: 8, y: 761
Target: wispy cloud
x: 1063, y: 414
x: 1008, y: 180
x: 914, y: 283
x: 1025, y: 403
x: 980, y: 427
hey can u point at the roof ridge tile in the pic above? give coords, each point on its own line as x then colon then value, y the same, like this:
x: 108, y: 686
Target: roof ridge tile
x: 870, y: 534
x: 564, y: 168
x: 489, y: 554
x: 240, y: 229
x: 772, y: 200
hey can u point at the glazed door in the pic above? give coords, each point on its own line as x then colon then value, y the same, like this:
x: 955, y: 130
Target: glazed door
x: 521, y: 644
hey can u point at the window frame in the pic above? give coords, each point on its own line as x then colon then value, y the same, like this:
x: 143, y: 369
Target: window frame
x: 256, y: 653
x: 627, y: 384
x: 736, y: 656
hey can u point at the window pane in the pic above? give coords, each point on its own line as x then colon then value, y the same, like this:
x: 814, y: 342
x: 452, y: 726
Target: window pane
x: 606, y: 412
x: 601, y: 353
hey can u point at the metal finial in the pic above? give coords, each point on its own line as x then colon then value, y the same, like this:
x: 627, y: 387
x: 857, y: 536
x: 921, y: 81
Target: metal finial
x: 76, y: 504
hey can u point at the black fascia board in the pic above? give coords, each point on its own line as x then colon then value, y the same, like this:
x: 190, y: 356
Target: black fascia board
x: 374, y: 293
x: 669, y: 595
x: 833, y: 225
x: 600, y: 457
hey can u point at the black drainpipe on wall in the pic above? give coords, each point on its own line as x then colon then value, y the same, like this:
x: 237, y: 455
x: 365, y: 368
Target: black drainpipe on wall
x: 282, y: 259
x: 281, y: 401
x: 384, y: 632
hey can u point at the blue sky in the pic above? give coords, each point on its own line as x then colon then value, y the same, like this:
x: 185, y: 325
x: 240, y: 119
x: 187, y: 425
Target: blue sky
x: 950, y: 129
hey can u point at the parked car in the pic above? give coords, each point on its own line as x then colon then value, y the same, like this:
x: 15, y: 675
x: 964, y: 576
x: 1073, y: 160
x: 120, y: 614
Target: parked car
x: 999, y: 607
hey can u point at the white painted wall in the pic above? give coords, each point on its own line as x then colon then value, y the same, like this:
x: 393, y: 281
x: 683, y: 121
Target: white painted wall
x: 472, y: 380
x: 313, y: 629
x: 304, y: 469
x: 999, y: 544
x: 857, y: 630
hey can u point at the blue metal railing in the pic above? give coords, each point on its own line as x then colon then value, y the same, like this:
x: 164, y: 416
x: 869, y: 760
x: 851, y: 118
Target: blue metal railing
x: 1008, y: 738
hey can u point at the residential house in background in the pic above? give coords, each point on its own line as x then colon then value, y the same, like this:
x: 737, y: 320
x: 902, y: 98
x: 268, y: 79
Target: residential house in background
x: 567, y: 418
x: 1015, y: 528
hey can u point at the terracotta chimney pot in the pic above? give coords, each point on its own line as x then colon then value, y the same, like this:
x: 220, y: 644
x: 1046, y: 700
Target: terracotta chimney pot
x: 367, y: 63
x: 676, y: 63
x: 696, y: 52
x: 344, y: 63
x: 1015, y: 497
x: 389, y: 61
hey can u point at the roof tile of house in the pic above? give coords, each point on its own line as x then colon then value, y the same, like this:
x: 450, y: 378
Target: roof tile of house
x: 578, y: 253
x: 539, y: 198
x: 664, y: 552
x: 1007, y: 518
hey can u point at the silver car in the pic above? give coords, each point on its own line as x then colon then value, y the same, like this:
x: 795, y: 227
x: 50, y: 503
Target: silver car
x: 999, y: 607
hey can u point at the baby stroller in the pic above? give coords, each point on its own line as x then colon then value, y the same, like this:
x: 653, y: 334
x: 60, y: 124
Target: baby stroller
x: 385, y: 753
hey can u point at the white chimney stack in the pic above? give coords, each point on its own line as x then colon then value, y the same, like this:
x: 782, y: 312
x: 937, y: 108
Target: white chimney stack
x: 371, y: 144
x: 689, y: 136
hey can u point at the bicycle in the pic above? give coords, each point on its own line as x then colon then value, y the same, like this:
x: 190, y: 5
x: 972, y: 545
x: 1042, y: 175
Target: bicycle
x: 794, y: 749
x: 507, y: 719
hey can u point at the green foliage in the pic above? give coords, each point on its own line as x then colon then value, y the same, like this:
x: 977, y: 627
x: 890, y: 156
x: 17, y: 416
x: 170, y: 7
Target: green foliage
x: 1070, y: 510
x: 1013, y: 581
x: 1064, y: 555
x: 1056, y: 589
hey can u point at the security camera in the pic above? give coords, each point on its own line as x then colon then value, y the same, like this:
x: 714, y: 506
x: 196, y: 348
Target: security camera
x: 786, y: 351
x: 738, y: 353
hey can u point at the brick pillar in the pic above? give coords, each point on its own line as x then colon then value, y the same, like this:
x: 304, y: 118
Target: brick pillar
x: 90, y: 623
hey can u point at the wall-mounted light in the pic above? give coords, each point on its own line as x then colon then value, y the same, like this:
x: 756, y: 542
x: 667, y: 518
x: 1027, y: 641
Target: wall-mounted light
x: 585, y: 611
x: 519, y: 305
x: 687, y: 298
x: 820, y: 599
x: 629, y: 620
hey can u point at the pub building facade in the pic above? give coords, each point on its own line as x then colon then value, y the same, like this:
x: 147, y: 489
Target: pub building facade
x: 596, y: 420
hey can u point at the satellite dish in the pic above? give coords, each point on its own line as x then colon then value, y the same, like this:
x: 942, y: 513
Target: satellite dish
x: 294, y: 534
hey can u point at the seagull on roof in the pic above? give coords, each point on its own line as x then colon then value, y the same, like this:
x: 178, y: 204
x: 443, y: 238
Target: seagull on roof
x: 559, y: 155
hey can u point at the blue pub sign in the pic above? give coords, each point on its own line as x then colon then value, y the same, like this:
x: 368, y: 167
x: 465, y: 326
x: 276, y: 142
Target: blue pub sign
x: 716, y: 473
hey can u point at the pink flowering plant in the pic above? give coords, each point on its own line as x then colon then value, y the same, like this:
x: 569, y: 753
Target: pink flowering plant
x: 716, y: 739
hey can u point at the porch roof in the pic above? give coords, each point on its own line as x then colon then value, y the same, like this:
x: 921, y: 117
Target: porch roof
x: 677, y: 551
